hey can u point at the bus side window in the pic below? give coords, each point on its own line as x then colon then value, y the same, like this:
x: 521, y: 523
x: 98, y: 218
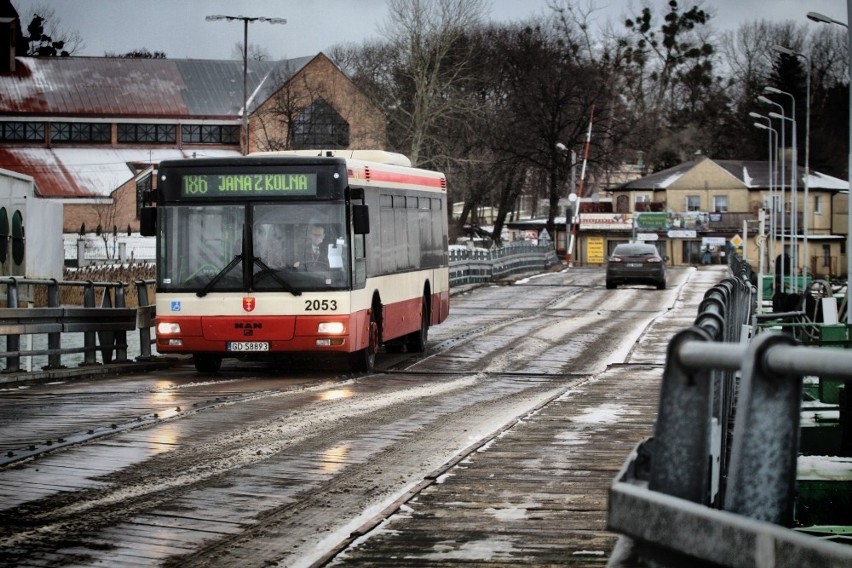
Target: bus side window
x: 361, y: 219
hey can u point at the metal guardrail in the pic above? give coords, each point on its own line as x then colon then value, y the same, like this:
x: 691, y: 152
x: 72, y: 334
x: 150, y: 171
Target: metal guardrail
x: 702, y: 493
x: 104, y: 324
x: 477, y: 266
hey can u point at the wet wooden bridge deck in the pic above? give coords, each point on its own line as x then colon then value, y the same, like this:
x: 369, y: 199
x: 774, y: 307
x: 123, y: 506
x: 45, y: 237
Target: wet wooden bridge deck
x: 536, y: 495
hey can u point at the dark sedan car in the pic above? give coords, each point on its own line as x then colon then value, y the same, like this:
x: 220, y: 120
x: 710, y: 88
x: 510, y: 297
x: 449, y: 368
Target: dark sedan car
x: 636, y: 263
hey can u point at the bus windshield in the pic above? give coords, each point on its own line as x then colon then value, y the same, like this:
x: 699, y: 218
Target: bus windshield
x: 289, y: 246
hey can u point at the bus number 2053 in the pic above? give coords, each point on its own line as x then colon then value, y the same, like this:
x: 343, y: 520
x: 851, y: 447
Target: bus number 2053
x: 317, y: 305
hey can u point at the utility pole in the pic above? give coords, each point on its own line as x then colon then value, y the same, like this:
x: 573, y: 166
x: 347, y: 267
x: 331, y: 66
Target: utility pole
x: 244, y: 138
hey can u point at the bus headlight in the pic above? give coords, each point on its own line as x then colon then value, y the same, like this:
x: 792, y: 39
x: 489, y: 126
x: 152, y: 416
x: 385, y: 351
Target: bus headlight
x: 331, y: 327
x: 168, y: 328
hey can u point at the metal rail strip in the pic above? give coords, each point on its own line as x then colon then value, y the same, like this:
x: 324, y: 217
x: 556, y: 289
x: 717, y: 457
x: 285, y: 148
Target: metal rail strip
x: 104, y: 325
x: 692, y: 494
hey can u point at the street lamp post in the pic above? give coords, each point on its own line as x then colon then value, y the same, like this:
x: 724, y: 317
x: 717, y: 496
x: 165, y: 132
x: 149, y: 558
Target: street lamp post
x: 244, y: 142
x: 794, y: 190
x: 790, y: 52
x: 760, y: 233
x: 781, y: 186
x: 817, y: 17
x: 773, y: 164
x: 572, y: 196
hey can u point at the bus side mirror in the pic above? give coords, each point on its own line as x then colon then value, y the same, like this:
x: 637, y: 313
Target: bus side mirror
x: 361, y: 219
x: 148, y: 221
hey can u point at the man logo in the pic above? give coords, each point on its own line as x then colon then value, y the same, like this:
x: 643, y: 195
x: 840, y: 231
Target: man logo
x: 248, y: 304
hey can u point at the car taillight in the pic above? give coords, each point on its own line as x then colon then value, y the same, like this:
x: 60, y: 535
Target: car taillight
x: 654, y: 260
x: 616, y: 259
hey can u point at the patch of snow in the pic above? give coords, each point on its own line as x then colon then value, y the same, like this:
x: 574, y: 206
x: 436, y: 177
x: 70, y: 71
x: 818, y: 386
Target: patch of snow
x: 824, y: 468
x: 488, y: 549
x: 570, y: 439
x: 443, y: 477
x: 508, y: 514
x: 606, y: 413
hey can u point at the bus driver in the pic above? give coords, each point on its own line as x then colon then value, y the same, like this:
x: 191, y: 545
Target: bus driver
x: 315, y: 253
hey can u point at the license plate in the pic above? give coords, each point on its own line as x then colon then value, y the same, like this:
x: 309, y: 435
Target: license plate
x: 244, y: 346
x: 634, y: 265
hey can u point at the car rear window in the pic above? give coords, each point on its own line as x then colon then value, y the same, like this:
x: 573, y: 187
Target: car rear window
x: 635, y: 250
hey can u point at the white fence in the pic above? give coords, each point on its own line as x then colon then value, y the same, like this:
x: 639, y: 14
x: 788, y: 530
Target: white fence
x: 475, y: 266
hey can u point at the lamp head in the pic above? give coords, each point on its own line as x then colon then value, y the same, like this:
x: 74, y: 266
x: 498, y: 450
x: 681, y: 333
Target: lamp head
x: 817, y: 17
x: 784, y: 50
x: 772, y: 90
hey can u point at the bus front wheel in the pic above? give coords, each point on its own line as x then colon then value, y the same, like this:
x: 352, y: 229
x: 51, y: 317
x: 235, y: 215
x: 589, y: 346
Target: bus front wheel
x: 206, y: 363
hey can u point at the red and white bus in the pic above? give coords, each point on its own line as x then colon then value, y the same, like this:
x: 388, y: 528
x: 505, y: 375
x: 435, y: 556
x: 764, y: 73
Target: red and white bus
x: 307, y: 251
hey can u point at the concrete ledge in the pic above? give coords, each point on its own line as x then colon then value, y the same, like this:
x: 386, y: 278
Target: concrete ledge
x: 89, y: 371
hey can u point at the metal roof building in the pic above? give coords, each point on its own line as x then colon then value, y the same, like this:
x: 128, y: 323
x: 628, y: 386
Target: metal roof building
x: 43, y: 95
x: 88, y: 128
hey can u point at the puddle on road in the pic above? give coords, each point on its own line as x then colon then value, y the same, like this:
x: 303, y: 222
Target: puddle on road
x: 73, y: 471
x: 336, y: 394
x: 333, y: 459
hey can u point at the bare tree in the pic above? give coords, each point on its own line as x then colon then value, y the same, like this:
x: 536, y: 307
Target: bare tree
x: 107, y: 212
x: 46, y: 34
x: 427, y: 34
x: 667, y: 65
x: 316, y: 111
x: 255, y: 52
x: 276, y: 118
x: 141, y: 53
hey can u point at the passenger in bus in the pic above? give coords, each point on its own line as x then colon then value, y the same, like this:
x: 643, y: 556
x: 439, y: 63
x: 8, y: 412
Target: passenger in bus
x: 268, y: 249
x: 315, y: 251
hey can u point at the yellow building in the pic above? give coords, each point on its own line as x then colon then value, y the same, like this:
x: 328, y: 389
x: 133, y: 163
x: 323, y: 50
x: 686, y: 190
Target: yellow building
x: 707, y: 204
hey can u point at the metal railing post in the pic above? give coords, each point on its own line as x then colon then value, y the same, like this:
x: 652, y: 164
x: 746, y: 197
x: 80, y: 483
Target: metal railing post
x: 762, y: 474
x: 13, y: 341
x: 681, y: 443
x: 120, y: 336
x: 54, y: 339
x: 89, y: 337
x: 144, y: 324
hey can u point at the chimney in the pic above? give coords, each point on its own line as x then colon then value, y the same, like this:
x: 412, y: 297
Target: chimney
x: 8, y: 35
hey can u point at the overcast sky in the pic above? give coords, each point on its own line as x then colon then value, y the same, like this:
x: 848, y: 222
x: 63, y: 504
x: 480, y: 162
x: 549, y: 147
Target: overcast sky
x: 178, y: 27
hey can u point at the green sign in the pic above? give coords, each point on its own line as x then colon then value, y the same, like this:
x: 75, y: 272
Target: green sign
x: 655, y: 220
x: 245, y: 185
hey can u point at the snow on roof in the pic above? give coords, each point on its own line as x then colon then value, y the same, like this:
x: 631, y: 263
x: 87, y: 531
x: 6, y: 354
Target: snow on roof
x: 823, y: 181
x: 89, y: 172
x: 754, y: 174
x: 746, y: 177
x: 105, y: 86
x: 669, y: 180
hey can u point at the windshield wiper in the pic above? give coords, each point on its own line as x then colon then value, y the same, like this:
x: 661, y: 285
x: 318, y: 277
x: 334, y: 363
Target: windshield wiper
x: 221, y: 274
x: 271, y: 272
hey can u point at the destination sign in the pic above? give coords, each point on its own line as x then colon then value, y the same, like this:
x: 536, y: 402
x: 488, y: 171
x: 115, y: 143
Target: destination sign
x: 248, y: 184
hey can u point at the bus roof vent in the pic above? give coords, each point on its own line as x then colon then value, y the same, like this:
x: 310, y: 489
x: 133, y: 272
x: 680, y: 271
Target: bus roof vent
x: 376, y: 156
